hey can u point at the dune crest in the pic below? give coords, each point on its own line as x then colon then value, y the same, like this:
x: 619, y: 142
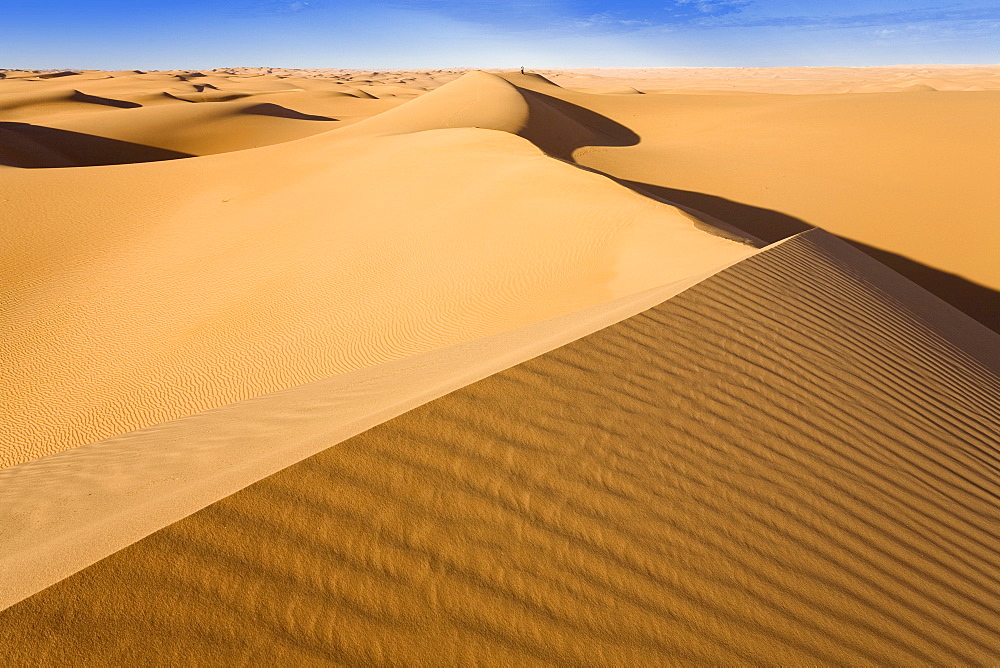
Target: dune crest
x: 495, y: 102
x: 909, y: 178
x: 360, y: 367
x: 793, y: 461
x: 61, y: 513
x: 198, y: 283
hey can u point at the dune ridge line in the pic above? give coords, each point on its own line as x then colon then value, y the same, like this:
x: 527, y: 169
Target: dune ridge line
x: 790, y: 462
x: 61, y: 513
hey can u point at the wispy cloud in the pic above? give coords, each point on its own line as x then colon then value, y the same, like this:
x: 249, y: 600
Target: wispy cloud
x: 485, y: 11
x: 278, y: 7
x: 701, y: 14
x: 930, y: 33
x: 606, y: 20
x: 599, y: 17
x: 932, y: 15
x: 702, y: 9
x: 535, y: 16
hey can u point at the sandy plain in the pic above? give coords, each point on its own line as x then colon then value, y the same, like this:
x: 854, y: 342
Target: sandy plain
x: 785, y: 451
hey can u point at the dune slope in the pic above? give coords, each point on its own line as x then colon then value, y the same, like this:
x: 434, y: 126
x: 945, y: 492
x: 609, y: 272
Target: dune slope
x: 200, y: 282
x: 910, y: 179
x: 792, y: 462
x: 901, y: 161
x: 71, y: 120
x: 484, y: 100
x: 66, y: 511
x: 783, y: 80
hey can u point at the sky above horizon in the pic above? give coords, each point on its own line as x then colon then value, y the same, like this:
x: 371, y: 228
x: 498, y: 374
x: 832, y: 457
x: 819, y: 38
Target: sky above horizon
x: 181, y: 34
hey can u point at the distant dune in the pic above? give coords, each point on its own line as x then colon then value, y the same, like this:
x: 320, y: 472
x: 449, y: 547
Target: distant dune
x: 458, y: 367
x: 910, y: 179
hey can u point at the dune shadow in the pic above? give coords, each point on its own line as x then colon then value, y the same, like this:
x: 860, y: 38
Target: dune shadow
x: 277, y: 111
x: 559, y: 127
x: 57, y: 75
x: 589, y: 128
x: 36, y: 146
x: 765, y: 224
x: 977, y: 301
x: 78, y: 96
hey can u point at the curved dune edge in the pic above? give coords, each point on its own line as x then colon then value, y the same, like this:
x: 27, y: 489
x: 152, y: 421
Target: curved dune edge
x: 66, y: 511
x: 818, y: 155
x: 198, y: 283
x: 306, y: 284
x: 792, y: 462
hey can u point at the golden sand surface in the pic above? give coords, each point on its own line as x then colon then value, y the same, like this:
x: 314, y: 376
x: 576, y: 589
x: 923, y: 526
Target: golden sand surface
x: 63, y: 512
x: 195, y: 283
x: 782, y: 80
x: 354, y: 367
x: 792, y: 462
x: 906, y: 173
x: 166, y: 261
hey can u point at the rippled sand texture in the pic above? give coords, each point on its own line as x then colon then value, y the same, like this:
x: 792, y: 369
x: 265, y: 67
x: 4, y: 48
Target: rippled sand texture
x: 64, y: 512
x: 793, y: 462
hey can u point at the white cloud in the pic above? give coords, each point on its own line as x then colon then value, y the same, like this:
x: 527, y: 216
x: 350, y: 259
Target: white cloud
x: 607, y: 20
x: 709, y: 7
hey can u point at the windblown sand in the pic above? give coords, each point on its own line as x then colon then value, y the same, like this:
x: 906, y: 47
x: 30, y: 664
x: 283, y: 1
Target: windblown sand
x: 784, y: 465
x: 209, y: 276
x: 197, y: 283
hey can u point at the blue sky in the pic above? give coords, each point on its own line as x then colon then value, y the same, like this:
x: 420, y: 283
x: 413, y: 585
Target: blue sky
x: 113, y: 34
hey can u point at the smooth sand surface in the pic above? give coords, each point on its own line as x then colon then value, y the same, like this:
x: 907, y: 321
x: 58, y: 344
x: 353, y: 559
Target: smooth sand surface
x: 197, y: 283
x: 911, y: 178
x: 781, y: 80
x: 210, y: 276
x: 793, y: 462
x: 900, y: 160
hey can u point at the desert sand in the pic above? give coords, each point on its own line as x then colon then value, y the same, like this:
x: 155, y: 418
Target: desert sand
x: 339, y: 366
x: 198, y: 283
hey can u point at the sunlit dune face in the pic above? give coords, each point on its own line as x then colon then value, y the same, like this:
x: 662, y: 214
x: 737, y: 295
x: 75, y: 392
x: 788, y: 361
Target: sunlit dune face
x: 458, y: 367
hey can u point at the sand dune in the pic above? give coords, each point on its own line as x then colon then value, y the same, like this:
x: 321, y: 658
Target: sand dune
x: 178, y: 130
x: 912, y: 179
x: 792, y: 462
x: 34, y: 105
x: 168, y: 113
x: 366, y: 367
x: 483, y: 100
x: 783, y: 80
x: 61, y: 513
x: 201, y: 282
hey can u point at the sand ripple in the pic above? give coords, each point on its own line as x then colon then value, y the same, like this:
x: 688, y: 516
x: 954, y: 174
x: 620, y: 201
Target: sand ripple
x: 793, y: 462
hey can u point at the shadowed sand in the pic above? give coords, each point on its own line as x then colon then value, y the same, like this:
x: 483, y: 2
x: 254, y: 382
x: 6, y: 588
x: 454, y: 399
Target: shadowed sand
x: 792, y: 462
x: 977, y: 301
